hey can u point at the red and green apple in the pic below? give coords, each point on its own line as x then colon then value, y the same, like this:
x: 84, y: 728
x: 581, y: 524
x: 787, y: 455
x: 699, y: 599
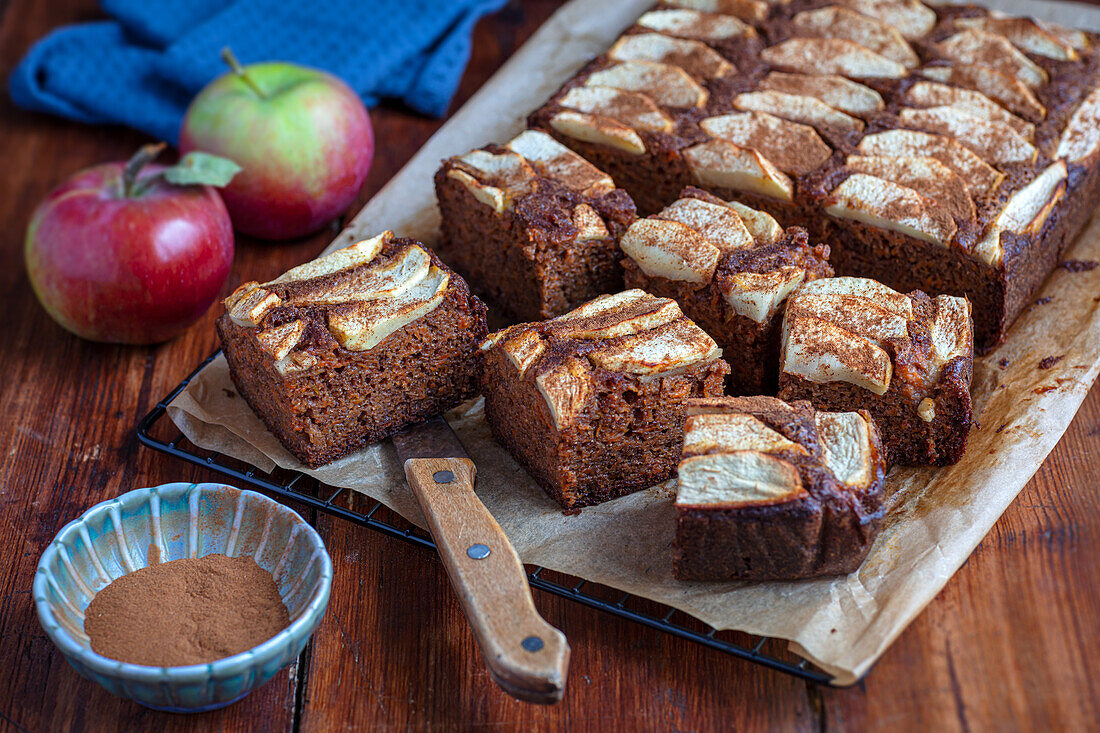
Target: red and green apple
x: 302, y: 137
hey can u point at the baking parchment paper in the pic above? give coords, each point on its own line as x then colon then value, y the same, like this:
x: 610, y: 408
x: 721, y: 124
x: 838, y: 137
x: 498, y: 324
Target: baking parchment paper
x: 936, y: 516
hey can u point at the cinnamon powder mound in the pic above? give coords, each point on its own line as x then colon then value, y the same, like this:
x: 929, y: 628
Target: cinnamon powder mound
x: 189, y: 611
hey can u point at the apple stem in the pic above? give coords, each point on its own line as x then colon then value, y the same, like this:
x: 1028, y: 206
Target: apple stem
x: 146, y: 154
x: 241, y: 72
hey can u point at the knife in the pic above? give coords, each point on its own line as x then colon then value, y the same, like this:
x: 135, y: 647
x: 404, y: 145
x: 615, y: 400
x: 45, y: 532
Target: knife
x: 526, y: 656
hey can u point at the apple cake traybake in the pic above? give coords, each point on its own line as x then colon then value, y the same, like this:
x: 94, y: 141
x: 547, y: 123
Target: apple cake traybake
x: 348, y: 349
x: 948, y: 149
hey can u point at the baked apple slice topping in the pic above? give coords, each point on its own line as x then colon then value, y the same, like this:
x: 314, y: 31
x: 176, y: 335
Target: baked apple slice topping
x: 1076, y: 39
x: 723, y: 164
x: 761, y: 225
x: 846, y: 447
x: 736, y: 478
x: 1080, y: 140
x: 523, y: 348
x: 832, y: 56
x: 1025, y: 34
x: 759, y: 295
x: 598, y: 131
x: 281, y: 340
x: 673, y: 346
x: 888, y: 205
x: 589, y: 224
x: 835, y: 91
x: 1002, y: 88
x: 631, y: 332
x: 566, y: 388
x: 345, y: 258
x: 666, y: 85
x: 695, y: 25
x: 836, y: 330
x: 927, y: 176
x: 791, y: 147
x: 721, y: 430
x: 839, y: 22
x: 388, y: 279
x: 697, y: 59
x: 248, y: 304
x: 995, y: 142
x: 637, y: 111
x: 865, y: 288
x: 973, y: 46
x: 612, y: 316
x: 980, y: 177
x: 798, y: 108
x: 362, y: 325
x: 934, y: 94
x: 716, y: 223
x: 553, y: 160
x: 494, y: 179
x: 1025, y: 212
x: 671, y: 250
x: 912, y: 19
x: 950, y: 332
x: 752, y: 11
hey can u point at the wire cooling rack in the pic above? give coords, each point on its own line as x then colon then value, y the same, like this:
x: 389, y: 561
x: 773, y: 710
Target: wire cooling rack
x: 364, y: 511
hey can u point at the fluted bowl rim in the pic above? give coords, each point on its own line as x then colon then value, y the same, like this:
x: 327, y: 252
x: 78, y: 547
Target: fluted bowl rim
x: 301, y: 626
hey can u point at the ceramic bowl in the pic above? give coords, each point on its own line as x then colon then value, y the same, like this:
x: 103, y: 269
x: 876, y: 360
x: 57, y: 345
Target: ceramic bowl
x: 183, y: 520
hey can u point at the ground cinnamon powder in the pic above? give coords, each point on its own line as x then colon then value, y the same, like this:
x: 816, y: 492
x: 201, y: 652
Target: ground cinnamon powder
x: 189, y: 611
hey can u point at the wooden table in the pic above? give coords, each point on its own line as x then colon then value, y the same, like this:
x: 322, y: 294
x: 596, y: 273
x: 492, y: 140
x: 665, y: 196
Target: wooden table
x: 1011, y: 642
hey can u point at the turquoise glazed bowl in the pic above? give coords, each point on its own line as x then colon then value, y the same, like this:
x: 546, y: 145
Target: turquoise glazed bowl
x: 183, y: 520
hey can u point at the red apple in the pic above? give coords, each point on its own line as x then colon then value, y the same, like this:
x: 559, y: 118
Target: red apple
x: 118, y: 253
x: 302, y: 137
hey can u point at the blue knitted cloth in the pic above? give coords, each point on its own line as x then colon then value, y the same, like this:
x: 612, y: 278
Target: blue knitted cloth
x: 143, y: 67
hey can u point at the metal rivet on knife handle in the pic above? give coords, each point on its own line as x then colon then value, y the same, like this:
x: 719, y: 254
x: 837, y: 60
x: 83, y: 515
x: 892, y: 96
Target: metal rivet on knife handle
x: 443, y: 477
x: 532, y: 643
x: 478, y: 552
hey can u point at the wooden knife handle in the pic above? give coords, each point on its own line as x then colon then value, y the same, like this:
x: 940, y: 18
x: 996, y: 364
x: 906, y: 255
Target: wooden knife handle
x: 527, y: 657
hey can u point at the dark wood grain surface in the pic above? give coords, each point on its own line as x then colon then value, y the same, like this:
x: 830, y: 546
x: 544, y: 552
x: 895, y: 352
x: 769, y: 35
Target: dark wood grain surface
x: 1010, y: 643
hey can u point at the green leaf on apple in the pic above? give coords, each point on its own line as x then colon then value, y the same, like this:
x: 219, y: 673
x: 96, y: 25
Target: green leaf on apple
x: 202, y: 169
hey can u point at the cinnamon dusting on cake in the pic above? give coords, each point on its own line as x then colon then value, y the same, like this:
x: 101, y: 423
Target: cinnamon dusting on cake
x: 794, y: 148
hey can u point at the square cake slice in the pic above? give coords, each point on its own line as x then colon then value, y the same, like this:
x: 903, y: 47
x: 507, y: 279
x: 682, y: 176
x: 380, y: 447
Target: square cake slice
x: 774, y: 491
x: 731, y: 268
x: 854, y: 344
x: 591, y: 402
x: 532, y: 226
x: 348, y: 349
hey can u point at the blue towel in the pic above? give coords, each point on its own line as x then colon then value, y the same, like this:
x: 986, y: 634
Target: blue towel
x: 143, y: 67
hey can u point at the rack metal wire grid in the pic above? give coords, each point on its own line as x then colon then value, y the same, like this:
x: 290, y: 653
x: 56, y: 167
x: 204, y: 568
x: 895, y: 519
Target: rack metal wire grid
x: 366, y: 512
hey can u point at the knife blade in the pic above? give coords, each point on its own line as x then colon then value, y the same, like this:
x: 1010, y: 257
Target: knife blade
x: 432, y: 438
x: 526, y: 656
